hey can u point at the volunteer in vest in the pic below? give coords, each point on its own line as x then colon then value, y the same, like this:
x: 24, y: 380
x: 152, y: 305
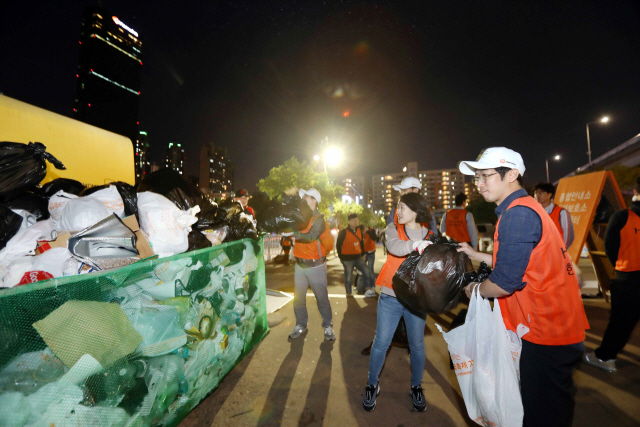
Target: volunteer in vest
x: 545, y: 193
x: 622, y: 246
x: 458, y: 223
x: 370, y: 238
x: 311, y: 270
x: 410, y: 184
x: 350, y: 247
x: 403, y: 239
x: 534, y: 282
x: 242, y: 197
x: 286, y: 244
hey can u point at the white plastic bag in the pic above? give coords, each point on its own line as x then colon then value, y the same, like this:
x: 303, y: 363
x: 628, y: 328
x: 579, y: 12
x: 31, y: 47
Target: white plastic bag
x: 111, y: 199
x: 165, y: 226
x: 57, y: 202
x: 487, y: 371
x: 81, y: 213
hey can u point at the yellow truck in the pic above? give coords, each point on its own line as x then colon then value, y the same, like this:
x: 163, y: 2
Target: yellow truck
x: 91, y: 155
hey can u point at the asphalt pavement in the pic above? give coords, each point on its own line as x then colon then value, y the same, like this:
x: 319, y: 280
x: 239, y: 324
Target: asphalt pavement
x: 312, y: 382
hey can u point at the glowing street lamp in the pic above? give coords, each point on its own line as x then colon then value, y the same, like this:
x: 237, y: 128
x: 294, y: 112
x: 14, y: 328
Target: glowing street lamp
x: 556, y: 157
x: 333, y: 156
x: 316, y: 158
x: 603, y: 120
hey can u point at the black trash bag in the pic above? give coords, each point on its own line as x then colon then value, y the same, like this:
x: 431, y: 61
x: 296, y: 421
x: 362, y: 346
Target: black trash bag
x: 477, y: 276
x: 9, y: 225
x: 127, y: 193
x: 22, y: 167
x: 67, y: 185
x: 34, y: 203
x: 240, y: 226
x: 183, y: 194
x: 432, y: 284
x: 292, y: 213
x: 197, y: 240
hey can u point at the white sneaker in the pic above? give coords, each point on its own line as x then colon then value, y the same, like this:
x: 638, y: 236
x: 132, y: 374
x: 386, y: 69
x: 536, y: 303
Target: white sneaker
x: 297, y: 331
x: 607, y: 365
x: 328, y: 334
x: 371, y: 294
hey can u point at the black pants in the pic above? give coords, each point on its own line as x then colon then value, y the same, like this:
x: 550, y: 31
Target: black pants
x: 546, y: 383
x: 624, y: 316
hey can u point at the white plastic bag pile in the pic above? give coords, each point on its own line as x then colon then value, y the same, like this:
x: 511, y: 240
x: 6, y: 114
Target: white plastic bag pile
x: 486, y: 358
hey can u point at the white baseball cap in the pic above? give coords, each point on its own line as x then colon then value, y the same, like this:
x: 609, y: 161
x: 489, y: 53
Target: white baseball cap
x: 491, y: 158
x: 408, y: 182
x: 311, y: 192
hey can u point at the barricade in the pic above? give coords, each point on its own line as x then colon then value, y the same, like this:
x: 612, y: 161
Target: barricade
x: 137, y: 346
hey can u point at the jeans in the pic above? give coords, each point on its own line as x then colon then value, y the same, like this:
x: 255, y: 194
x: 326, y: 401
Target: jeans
x: 390, y: 310
x: 316, y: 277
x: 623, y: 318
x: 369, y: 281
x: 371, y: 259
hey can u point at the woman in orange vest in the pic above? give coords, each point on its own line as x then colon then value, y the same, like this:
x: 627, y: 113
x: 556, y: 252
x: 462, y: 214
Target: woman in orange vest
x: 622, y: 246
x: 534, y: 282
x: 409, y: 235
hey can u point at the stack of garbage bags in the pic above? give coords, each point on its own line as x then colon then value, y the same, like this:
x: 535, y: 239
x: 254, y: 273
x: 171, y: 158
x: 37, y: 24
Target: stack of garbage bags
x: 430, y: 283
x: 173, y: 215
x: 285, y: 215
x: 145, y: 355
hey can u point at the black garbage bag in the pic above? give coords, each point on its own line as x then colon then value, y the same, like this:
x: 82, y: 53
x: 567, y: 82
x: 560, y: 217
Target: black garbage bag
x: 67, y: 185
x: 183, y: 194
x: 22, y: 167
x: 432, y: 283
x: 9, y: 225
x: 240, y: 226
x: 126, y: 191
x: 477, y: 276
x: 292, y: 213
x: 33, y: 202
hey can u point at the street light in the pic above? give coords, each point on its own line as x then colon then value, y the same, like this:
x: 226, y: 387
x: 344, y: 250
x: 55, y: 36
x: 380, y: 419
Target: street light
x: 316, y: 157
x: 556, y: 157
x: 332, y: 156
x: 603, y: 120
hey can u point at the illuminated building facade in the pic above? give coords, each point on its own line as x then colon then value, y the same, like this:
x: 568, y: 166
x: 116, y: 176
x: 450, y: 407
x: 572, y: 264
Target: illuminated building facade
x: 108, y: 74
x: 175, y: 158
x: 141, y: 155
x: 216, y: 171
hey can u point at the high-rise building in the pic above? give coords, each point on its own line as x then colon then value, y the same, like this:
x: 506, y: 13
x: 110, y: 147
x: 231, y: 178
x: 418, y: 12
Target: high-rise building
x: 216, y: 171
x: 175, y: 158
x: 108, y: 74
x: 141, y: 153
x: 354, y: 188
x: 471, y: 189
x: 439, y: 187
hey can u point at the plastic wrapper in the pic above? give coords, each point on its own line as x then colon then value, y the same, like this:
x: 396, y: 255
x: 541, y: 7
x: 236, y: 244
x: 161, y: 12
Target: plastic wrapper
x: 57, y: 203
x: 81, y: 213
x: 34, y: 203
x: 10, y: 224
x: 292, y: 213
x: 431, y: 283
x: 67, y: 185
x: 22, y: 167
x: 182, y: 193
x: 127, y: 193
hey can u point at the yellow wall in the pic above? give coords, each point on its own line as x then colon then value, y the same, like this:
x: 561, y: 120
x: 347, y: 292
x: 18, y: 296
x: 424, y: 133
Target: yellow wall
x: 91, y: 155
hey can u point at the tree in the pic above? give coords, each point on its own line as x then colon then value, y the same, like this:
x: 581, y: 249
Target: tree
x: 293, y: 175
x: 483, y: 211
x: 342, y: 210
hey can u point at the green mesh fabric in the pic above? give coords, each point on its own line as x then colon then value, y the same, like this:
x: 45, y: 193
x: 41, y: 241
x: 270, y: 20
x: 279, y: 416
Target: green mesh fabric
x: 137, y: 346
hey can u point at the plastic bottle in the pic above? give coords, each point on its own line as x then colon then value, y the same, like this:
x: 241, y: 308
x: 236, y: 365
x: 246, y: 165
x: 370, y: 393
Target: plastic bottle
x: 121, y: 378
x: 70, y: 267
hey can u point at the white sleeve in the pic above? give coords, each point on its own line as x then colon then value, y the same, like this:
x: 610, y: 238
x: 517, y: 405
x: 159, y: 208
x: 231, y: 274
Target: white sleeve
x: 472, y: 230
x: 443, y: 223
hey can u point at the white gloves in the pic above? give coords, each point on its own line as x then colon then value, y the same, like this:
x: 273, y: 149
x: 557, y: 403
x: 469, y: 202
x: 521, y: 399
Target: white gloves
x: 286, y: 234
x: 420, y: 245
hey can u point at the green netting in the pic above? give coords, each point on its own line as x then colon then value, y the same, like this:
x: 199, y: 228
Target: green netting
x: 136, y: 346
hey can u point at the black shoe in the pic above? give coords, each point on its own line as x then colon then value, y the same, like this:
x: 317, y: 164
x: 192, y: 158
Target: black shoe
x: 370, y: 393
x: 419, y: 404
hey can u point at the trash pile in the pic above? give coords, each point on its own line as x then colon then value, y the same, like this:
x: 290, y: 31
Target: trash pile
x: 292, y: 213
x: 64, y: 229
x: 431, y: 283
x: 139, y: 346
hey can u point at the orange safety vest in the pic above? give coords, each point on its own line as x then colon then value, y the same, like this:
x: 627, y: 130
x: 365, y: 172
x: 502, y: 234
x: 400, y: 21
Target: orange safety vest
x: 286, y: 242
x: 369, y: 243
x: 314, y: 250
x: 550, y: 305
x: 352, y: 244
x: 629, y: 252
x: 555, y: 217
x: 385, y: 278
x: 456, y: 224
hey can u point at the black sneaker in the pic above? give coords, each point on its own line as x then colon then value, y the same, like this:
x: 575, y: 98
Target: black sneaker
x: 370, y: 393
x: 419, y: 404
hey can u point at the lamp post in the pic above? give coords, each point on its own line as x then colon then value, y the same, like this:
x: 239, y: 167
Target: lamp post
x: 605, y: 119
x: 556, y: 157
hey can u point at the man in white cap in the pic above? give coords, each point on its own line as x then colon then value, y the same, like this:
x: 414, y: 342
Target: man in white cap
x: 311, y: 270
x: 410, y: 184
x: 534, y: 282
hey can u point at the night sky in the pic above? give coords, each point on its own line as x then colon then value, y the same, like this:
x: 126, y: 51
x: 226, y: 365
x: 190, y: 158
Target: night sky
x: 432, y: 82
